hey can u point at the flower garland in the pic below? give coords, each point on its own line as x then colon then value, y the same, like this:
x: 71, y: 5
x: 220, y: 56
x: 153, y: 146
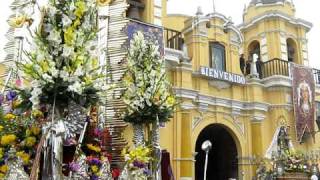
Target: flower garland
x: 295, y: 161
x: 97, y: 158
x: 137, y: 161
x: 149, y: 93
x: 18, y: 130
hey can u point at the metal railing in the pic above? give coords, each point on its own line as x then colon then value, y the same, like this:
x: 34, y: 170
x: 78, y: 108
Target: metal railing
x: 316, y: 73
x: 173, y: 39
x: 275, y: 67
x: 278, y: 66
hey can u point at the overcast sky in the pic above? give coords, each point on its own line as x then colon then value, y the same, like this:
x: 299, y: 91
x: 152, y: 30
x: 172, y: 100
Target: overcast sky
x: 305, y: 9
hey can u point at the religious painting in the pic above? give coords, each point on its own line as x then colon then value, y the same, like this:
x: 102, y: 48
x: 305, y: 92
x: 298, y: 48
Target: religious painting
x: 304, y: 99
x: 151, y: 32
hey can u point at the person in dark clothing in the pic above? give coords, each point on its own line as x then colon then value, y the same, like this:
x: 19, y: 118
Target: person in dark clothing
x: 248, y: 66
x: 259, y: 67
x: 166, y: 170
x: 242, y: 63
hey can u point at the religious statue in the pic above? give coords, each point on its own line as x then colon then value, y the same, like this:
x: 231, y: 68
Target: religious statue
x: 283, y: 141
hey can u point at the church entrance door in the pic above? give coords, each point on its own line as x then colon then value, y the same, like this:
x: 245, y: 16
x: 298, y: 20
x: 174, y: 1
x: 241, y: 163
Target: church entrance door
x: 222, y: 161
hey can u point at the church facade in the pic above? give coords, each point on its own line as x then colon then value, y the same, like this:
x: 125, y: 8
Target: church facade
x: 234, y: 85
x: 239, y: 109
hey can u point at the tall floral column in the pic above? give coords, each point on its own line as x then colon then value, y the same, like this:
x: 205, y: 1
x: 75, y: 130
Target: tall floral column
x: 64, y: 72
x: 148, y: 97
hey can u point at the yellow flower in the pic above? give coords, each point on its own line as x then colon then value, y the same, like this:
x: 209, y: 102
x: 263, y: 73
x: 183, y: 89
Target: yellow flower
x: 171, y: 101
x: 87, y: 80
x: 28, y: 70
x: 35, y: 130
x: 28, y: 132
x: 8, y: 139
x: 17, y: 22
x: 16, y: 103
x: 25, y: 157
x: 9, y: 116
x: 94, y: 148
x: 94, y: 168
x: 44, y: 65
x: 79, y: 60
x: 103, y: 2
x: 81, y: 8
x: 30, y: 141
x: 128, y: 79
x: 1, y: 153
x: 37, y: 113
x: 76, y: 23
x: 95, y: 63
x: 69, y: 35
x: 1, y: 128
x: 3, y: 168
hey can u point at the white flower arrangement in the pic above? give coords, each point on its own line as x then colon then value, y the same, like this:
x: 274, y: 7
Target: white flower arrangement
x: 64, y: 56
x: 149, y: 93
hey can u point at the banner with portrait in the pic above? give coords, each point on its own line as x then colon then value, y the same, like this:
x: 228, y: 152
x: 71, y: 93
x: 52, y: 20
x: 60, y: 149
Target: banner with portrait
x: 303, y: 89
x: 151, y: 32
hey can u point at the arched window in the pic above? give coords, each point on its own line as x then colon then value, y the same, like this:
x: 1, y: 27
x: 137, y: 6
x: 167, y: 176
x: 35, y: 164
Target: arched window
x: 291, y: 50
x: 254, y: 48
x: 217, y: 56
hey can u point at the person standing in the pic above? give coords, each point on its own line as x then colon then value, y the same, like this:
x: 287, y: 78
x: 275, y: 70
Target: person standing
x: 259, y: 65
x: 242, y: 63
x: 248, y: 66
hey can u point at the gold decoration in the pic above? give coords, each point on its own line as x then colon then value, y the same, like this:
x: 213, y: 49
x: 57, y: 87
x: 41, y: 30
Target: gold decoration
x: 103, y: 2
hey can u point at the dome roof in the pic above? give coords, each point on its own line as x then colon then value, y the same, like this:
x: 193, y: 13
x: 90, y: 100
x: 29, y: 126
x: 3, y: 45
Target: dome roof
x: 266, y: 1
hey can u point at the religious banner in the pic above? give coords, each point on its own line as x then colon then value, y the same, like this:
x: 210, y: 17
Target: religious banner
x: 150, y: 32
x: 303, y: 99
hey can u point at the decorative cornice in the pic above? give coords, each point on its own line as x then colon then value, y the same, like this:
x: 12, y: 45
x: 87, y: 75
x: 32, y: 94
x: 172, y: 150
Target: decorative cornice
x: 288, y: 107
x: 276, y: 14
x: 205, y: 19
x: 277, y: 81
x: 187, y: 106
x: 257, y: 118
x: 173, y: 56
x: 204, y: 100
x: 186, y: 93
x: 177, y: 60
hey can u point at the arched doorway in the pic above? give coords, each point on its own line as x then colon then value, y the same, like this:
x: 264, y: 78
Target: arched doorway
x: 222, y: 161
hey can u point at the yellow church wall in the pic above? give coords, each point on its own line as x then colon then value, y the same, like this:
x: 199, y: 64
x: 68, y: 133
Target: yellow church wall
x: 179, y: 136
x: 150, y: 11
x: 175, y: 21
x: 147, y: 13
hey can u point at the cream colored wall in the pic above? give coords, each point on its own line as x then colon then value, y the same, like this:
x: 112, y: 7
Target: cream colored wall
x: 253, y: 11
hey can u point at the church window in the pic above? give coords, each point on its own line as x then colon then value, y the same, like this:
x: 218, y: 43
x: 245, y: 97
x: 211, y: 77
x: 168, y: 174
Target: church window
x: 217, y: 56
